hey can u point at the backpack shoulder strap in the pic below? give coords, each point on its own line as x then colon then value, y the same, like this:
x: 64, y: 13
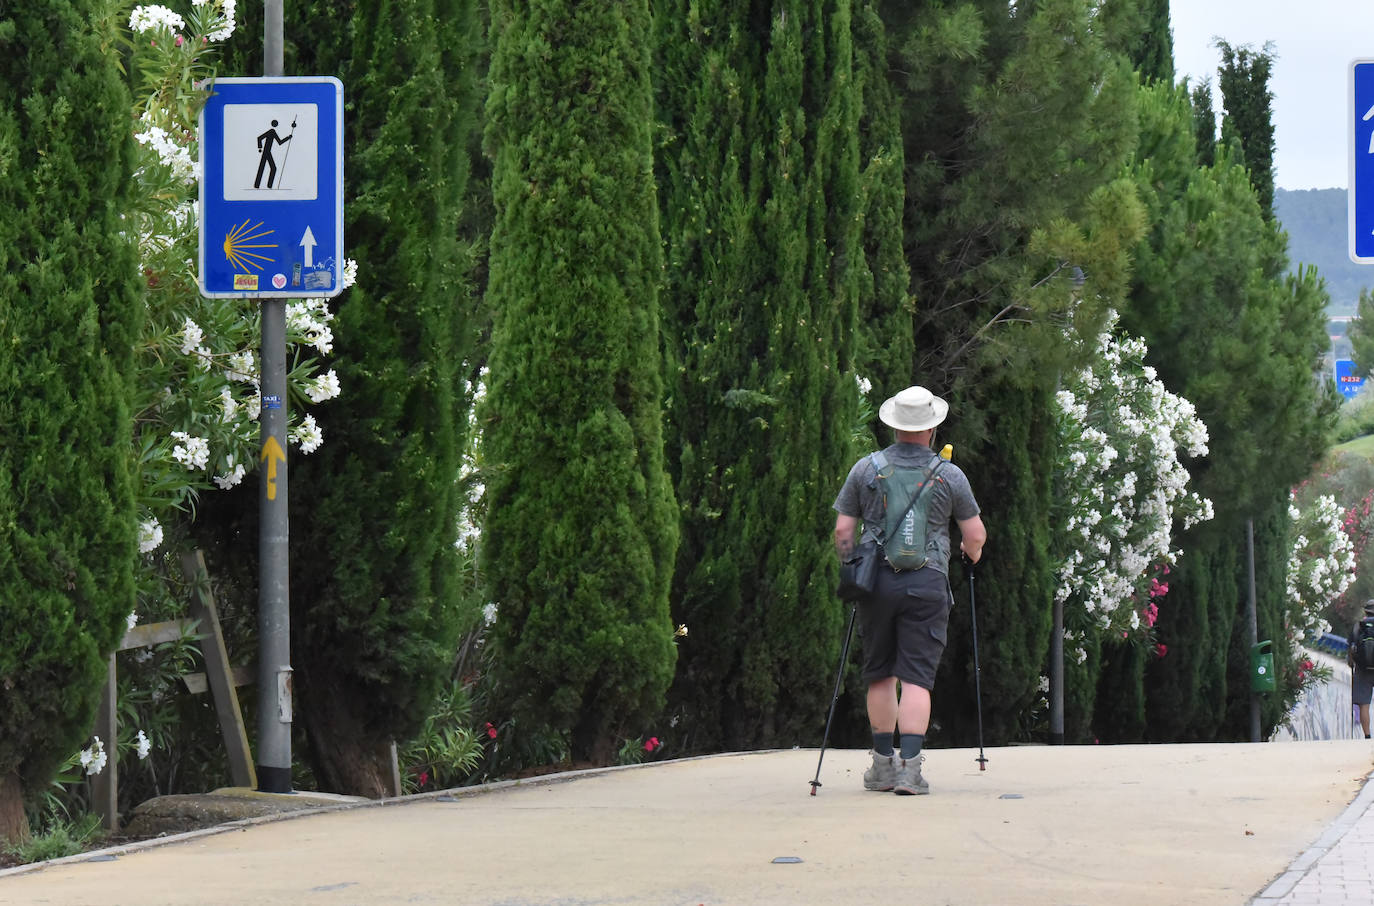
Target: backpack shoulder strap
x: 879, y: 463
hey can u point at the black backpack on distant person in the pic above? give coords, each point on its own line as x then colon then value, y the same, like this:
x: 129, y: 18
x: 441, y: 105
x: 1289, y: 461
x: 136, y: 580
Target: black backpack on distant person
x: 1364, y: 643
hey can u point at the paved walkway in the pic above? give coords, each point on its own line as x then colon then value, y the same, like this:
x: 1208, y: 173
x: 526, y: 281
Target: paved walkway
x: 1287, y: 823
x: 1042, y: 826
x: 1338, y: 869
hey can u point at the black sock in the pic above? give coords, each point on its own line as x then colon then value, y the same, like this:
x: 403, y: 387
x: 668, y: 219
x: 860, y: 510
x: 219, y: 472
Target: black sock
x: 911, y: 745
x: 882, y: 742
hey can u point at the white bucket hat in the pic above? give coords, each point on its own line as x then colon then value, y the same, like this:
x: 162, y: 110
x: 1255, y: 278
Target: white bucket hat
x: 913, y: 409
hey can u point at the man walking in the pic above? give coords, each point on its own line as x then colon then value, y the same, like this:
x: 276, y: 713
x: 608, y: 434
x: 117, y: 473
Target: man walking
x: 904, y: 623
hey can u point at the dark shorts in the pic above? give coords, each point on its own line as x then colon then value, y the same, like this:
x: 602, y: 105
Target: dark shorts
x: 904, y: 626
x: 1362, y: 686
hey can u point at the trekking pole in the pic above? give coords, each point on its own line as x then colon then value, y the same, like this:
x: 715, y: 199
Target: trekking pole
x: 839, y: 679
x: 287, y: 156
x: 977, y: 670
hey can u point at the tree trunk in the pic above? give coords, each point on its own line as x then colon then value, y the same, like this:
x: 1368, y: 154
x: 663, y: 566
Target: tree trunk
x: 14, y: 824
x: 343, y: 753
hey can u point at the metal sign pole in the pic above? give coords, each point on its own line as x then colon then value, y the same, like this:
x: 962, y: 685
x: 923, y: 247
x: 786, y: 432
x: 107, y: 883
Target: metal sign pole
x: 274, y: 601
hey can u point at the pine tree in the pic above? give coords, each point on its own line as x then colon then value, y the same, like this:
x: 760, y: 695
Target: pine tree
x: 1228, y: 332
x: 581, y: 533
x: 69, y: 308
x: 1361, y: 333
x: 376, y: 593
x: 1001, y: 205
x: 762, y: 202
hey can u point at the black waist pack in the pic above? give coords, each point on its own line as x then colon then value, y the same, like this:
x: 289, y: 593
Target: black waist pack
x: 859, y: 571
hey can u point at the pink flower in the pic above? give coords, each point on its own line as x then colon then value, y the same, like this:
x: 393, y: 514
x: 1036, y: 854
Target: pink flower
x: 1161, y: 649
x: 179, y: 40
x: 652, y: 744
x: 491, y: 731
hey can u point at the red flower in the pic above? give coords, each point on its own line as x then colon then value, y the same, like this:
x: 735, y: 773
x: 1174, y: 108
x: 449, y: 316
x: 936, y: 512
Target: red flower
x: 1161, y: 649
x: 652, y: 744
x: 424, y: 777
x: 491, y: 731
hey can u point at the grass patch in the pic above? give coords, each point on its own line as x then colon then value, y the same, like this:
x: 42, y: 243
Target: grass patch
x: 1360, y: 446
x: 64, y: 839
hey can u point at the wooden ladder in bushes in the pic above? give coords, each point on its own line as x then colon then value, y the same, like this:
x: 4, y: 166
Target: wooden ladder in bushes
x: 219, y: 678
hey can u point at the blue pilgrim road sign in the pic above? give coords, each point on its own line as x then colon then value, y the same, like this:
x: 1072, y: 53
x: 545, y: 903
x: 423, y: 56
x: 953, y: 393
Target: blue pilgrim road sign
x: 1361, y: 193
x: 1347, y: 381
x: 271, y: 188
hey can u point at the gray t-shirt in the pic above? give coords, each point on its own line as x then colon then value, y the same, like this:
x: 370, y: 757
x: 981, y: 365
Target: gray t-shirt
x: 950, y: 496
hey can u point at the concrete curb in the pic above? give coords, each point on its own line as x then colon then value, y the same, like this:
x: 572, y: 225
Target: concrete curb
x: 455, y: 794
x: 1283, y: 885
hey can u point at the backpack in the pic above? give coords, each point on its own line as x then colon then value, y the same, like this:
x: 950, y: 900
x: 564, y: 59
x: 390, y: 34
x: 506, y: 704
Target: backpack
x: 1364, y: 643
x: 905, y: 502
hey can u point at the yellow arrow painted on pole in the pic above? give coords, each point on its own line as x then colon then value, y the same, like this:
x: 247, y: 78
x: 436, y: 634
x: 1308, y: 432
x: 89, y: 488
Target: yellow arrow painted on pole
x: 271, y: 452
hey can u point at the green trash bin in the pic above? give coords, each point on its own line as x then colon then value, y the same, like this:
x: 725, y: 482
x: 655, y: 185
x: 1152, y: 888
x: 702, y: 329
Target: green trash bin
x: 1262, y: 668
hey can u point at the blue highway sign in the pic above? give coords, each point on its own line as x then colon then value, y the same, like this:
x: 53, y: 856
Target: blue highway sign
x: 1347, y: 381
x: 271, y: 188
x: 1361, y: 193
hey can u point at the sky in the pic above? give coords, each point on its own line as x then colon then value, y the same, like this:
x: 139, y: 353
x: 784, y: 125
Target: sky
x: 1314, y: 42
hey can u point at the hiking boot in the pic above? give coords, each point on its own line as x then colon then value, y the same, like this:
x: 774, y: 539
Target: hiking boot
x: 883, y: 774
x: 909, y: 781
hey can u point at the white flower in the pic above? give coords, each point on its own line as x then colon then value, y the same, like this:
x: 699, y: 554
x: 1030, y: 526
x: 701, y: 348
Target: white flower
x: 309, y: 319
x: 130, y: 621
x: 150, y: 18
x: 489, y: 613
x: 226, y: 400
x: 307, y: 435
x: 350, y: 273
x: 232, y: 477
x: 865, y: 385
x: 93, y: 758
x: 192, y: 452
x: 142, y: 745
x: 242, y: 367
x: 324, y: 387
x: 1120, y: 483
x: 226, y: 27
x: 149, y: 535
x: 176, y: 157
x: 191, y: 337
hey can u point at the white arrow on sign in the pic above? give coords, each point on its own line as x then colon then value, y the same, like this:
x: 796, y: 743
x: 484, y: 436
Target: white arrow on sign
x: 308, y: 243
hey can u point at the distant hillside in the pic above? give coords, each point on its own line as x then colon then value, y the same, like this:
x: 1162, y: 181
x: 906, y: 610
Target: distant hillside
x: 1317, y: 235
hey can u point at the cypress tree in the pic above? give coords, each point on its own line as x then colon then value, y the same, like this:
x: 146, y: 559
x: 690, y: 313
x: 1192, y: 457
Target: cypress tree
x: 1295, y: 430
x: 376, y: 591
x: 69, y: 309
x: 580, y: 534
x: 1140, y: 29
x: 883, y: 335
x: 1244, y: 82
x: 761, y: 194
x: 1204, y: 124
